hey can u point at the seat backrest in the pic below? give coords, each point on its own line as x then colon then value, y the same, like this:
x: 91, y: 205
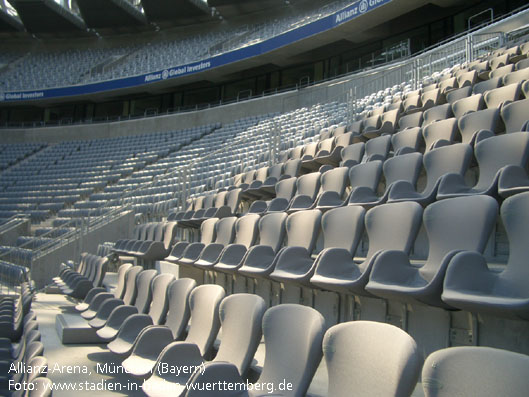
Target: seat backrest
x: 302, y: 229
x: 466, y: 105
x: 467, y: 78
x: 487, y: 119
x: 343, y: 140
x: 275, y: 171
x: 130, y: 287
x: 409, y: 139
x: 487, y: 85
x: 272, y: 230
x: 377, y: 148
x: 309, y: 150
x: 204, y: 302
x: 443, y: 160
x: 472, y: 370
x: 100, y: 271
x: 178, y: 311
x: 502, y: 72
x: 122, y: 277
x: 293, y: 336
x: 261, y: 174
x: 246, y: 230
x: 498, y: 151
x: 207, y: 230
x: 220, y: 199
x: 406, y: 167
x: 366, y: 174
x: 144, y: 287
x: 392, y: 226
x: 515, y: 115
x: 444, y: 130
x: 461, y: 223
x: 343, y: 227
x: 365, y: 349
x: 497, y: 96
x: 159, y: 301
x: 436, y: 113
x: 352, y: 154
x: 430, y: 98
x: 334, y: 180
x: 233, y: 199
x: 515, y: 217
x: 308, y: 184
x: 458, y: 93
x: 325, y: 146
x: 208, y: 201
x: 292, y: 167
x: 225, y: 230
x: 241, y: 316
x: 411, y: 120
x: 286, y: 188
x: 168, y: 234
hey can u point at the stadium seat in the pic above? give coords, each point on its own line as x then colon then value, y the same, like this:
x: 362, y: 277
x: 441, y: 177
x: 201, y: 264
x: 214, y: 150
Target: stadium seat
x: 452, y: 225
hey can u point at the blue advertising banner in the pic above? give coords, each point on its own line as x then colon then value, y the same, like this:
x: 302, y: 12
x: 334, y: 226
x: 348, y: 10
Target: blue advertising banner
x: 284, y: 39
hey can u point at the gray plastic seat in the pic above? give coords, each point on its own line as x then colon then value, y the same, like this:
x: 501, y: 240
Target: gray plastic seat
x: 176, y: 319
x: 141, y: 303
x: 285, y: 190
x: 471, y: 285
x: 160, y: 246
x: 271, y: 234
x: 467, y: 78
x: 118, y: 292
x: 411, y: 120
x: 487, y: 85
x: 440, y: 133
x: 437, y: 113
x: 240, y: 317
x: 406, y: 167
x: 517, y: 76
x: 476, y: 126
x: 377, y: 148
x: 307, y: 188
x: 302, y: 232
x: 292, y: 335
x: 333, y: 155
x: 352, y: 154
x: 466, y: 105
x: 406, y: 141
x: 225, y: 232
x: 475, y: 371
x: 458, y: 93
x: 245, y: 229
x: 365, y: 349
x: 192, y: 250
x: 333, y: 184
x: 204, y: 302
x: 498, y: 97
x: 153, y: 306
x: 388, y: 124
x: 437, y: 162
x: 515, y: 115
x: 388, y: 226
x: 342, y: 229
x: 452, y: 225
x: 497, y: 155
x: 128, y: 296
x: 364, y: 175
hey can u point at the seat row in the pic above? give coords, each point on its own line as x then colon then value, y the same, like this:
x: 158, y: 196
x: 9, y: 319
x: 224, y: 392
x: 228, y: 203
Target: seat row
x: 23, y: 363
x: 282, y: 248
x: 295, y: 339
x: 89, y: 273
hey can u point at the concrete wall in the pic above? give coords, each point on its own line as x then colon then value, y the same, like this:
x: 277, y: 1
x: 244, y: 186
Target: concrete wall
x: 47, y: 267
x: 9, y: 236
